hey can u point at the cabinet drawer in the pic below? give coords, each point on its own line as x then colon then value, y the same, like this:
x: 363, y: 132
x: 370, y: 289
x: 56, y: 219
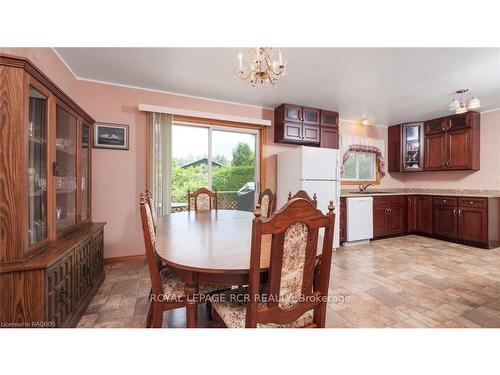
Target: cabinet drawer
x: 445, y: 201
x: 473, y: 202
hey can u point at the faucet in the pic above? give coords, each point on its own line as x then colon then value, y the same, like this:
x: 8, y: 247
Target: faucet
x: 362, y: 188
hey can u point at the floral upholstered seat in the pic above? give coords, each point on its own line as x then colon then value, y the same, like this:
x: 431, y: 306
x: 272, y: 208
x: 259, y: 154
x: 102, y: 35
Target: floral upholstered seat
x: 173, y: 287
x: 231, y: 308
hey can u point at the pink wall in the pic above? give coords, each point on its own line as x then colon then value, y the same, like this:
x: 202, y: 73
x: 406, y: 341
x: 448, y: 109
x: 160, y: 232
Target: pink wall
x: 119, y: 176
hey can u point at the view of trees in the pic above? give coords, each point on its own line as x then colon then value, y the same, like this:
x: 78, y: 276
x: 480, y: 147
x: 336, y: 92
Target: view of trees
x: 229, y: 177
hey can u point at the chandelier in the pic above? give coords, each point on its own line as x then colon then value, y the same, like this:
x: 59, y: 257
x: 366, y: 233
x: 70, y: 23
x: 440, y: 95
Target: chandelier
x: 261, y: 68
x: 458, y: 103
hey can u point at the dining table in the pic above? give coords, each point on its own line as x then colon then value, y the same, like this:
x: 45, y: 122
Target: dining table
x: 209, y: 247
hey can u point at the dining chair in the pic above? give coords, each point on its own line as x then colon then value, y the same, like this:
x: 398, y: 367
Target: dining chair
x: 167, y: 289
x: 267, y: 201
x: 290, y: 298
x: 204, y: 199
x: 303, y: 194
x: 151, y: 204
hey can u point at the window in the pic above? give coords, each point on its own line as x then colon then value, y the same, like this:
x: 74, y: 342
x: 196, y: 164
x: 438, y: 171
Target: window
x: 360, y: 166
x: 219, y: 158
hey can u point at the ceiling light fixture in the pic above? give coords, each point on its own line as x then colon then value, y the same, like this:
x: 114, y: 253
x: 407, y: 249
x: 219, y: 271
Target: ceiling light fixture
x: 367, y: 121
x: 458, y: 105
x: 262, y: 69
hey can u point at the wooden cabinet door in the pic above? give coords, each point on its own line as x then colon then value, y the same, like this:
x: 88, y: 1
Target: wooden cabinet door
x: 412, y: 213
x: 380, y: 211
x: 435, y: 152
x: 310, y: 134
x: 82, y: 272
x: 310, y: 116
x: 459, y: 121
x: 329, y: 118
x: 394, y: 163
x: 329, y: 137
x: 342, y: 221
x: 434, y: 126
x: 445, y: 217
x: 424, y: 214
x: 396, y: 216
x: 458, y: 149
x: 292, y: 113
x: 60, y: 291
x: 292, y: 132
x: 473, y: 224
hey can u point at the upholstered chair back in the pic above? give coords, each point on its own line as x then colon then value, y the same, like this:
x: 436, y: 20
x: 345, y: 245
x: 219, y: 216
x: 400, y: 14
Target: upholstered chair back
x: 204, y: 199
x: 295, y: 246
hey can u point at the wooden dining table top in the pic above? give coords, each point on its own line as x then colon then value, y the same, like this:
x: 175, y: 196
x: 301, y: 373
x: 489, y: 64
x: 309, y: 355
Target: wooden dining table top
x: 211, y: 242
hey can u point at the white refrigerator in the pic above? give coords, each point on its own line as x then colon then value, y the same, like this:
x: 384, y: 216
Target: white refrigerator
x: 315, y: 170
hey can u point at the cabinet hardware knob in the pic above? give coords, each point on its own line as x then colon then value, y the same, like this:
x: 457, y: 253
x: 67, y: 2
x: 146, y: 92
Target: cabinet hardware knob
x: 471, y: 202
x: 444, y: 200
x: 454, y: 212
x: 459, y: 212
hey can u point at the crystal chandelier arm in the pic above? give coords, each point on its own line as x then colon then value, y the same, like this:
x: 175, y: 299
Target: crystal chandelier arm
x: 270, y: 67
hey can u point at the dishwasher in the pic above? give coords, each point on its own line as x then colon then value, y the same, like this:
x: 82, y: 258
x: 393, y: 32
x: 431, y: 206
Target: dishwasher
x: 359, y: 219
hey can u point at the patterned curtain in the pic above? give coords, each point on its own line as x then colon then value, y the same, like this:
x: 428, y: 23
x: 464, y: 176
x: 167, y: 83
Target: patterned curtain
x: 376, y: 146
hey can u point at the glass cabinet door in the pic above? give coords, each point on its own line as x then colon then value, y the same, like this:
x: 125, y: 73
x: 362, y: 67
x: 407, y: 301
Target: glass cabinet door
x: 412, y: 147
x: 65, y: 169
x: 84, y: 177
x: 37, y: 167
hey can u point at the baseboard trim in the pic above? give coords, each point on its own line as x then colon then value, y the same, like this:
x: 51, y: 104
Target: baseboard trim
x: 129, y: 258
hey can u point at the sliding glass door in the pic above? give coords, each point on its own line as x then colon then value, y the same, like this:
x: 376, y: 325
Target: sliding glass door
x: 219, y: 158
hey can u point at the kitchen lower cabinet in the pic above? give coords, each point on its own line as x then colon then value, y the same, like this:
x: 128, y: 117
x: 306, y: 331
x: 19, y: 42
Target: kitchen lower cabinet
x: 469, y: 220
x: 412, y: 210
x: 343, y: 220
x: 424, y: 214
x: 445, y: 216
x: 389, y: 215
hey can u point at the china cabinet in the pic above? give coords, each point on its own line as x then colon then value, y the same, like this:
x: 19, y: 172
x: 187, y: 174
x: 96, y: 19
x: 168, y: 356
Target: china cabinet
x: 50, y: 251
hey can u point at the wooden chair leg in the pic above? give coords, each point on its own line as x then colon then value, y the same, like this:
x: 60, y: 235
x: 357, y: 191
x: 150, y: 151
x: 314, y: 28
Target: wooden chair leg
x: 209, y: 310
x: 149, y: 321
x: 157, y: 320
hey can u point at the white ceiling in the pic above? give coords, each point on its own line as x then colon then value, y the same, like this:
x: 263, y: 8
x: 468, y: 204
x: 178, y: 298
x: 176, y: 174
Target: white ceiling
x: 389, y: 85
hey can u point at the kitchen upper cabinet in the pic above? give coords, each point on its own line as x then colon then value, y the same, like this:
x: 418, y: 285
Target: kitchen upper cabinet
x: 445, y: 216
x: 310, y: 116
x: 292, y: 131
x: 329, y: 118
x: 292, y: 113
x: 435, y: 152
x: 329, y: 137
x: 447, y: 143
x: 394, y: 148
x: 310, y: 133
x: 306, y: 126
x: 454, y: 144
x: 406, y: 147
x: 458, y: 149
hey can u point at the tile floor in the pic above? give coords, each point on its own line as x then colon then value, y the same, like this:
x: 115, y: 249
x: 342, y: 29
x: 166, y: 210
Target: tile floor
x: 408, y: 281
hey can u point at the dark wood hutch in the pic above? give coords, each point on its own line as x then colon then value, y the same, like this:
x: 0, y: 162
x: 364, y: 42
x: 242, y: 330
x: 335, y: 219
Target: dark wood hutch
x: 51, y: 254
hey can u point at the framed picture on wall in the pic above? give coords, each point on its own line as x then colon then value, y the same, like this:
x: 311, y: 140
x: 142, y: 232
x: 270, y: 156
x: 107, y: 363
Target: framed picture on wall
x: 113, y: 136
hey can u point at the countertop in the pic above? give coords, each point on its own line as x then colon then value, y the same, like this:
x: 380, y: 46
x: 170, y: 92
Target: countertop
x: 436, y: 192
